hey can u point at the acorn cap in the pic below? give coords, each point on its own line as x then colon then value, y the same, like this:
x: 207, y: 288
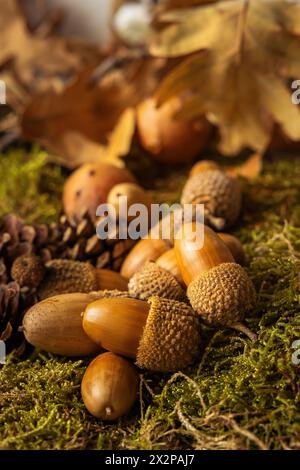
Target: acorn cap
x: 28, y: 270
x: 153, y: 280
x: 222, y: 295
x: 108, y: 294
x: 66, y: 276
x: 219, y: 192
x: 171, y: 337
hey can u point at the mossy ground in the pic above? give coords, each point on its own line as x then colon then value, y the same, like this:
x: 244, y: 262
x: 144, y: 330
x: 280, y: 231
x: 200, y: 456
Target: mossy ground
x: 240, y: 395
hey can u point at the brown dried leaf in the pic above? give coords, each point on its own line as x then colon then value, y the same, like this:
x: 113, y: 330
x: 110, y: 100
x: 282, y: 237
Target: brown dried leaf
x: 40, y: 63
x: 86, y: 114
x: 243, y: 53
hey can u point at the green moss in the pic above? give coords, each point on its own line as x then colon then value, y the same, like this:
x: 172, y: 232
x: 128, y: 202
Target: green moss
x: 240, y: 395
x: 30, y: 186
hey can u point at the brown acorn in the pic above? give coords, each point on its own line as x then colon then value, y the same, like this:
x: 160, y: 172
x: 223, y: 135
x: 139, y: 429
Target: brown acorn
x: 163, y: 334
x: 168, y: 138
x: 168, y: 261
x: 109, y: 386
x: 234, y: 246
x: 88, y: 187
x: 54, y: 325
x: 135, y: 195
x: 218, y: 288
x: 144, y: 251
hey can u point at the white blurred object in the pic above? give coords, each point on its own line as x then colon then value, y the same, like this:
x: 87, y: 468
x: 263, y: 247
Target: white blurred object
x: 131, y: 23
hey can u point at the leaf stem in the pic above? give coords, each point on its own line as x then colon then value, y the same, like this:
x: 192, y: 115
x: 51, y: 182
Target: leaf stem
x: 241, y: 30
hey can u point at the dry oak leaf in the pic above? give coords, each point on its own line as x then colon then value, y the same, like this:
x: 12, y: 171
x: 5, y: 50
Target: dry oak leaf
x: 81, y: 150
x: 240, y: 55
x: 39, y: 63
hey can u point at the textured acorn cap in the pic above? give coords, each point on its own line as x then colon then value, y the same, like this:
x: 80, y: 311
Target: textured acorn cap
x: 153, y: 280
x: 222, y: 295
x: 28, y: 270
x: 109, y: 294
x: 220, y: 193
x: 171, y: 337
x: 66, y: 276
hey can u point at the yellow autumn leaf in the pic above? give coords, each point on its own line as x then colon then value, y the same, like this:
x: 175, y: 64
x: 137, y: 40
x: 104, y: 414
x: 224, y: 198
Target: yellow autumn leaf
x: 243, y: 52
x: 120, y: 139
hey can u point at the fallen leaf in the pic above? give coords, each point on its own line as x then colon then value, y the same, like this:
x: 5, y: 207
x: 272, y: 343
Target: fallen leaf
x: 240, y: 55
x: 121, y: 139
x: 250, y: 169
x: 40, y: 63
x: 54, y: 119
x: 83, y: 150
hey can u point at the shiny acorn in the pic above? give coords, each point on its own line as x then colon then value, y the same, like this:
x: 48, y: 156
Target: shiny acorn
x: 219, y: 289
x: 162, y: 334
x: 109, y: 386
x: 145, y: 250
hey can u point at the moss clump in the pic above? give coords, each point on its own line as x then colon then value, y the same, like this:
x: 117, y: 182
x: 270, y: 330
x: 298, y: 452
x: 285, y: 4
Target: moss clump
x: 240, y: 395
x: 30, y: 186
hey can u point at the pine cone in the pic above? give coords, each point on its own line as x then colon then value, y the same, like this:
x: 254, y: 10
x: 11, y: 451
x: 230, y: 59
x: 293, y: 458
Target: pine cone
x: 63, y: 240
x: 81, y: 243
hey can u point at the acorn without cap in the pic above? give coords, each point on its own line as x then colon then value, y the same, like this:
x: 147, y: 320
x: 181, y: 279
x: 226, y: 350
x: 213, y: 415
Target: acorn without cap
x: 220, y: 194
x: 135, y: 195
x: 218, y: 288
x: 144, y: 251
x: 55, y: 325
x: 109, y: 386
x: 153, y: 280
x: 168, y: 262
x: 234, y: 246
x: 168, y: 138
x: 89, y: 186
x: 163, y: 335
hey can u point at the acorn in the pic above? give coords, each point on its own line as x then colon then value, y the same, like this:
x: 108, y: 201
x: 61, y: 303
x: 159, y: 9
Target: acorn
x: 109, y: 386
x: 234, y: 246
x: 168, y: 138
x: 193, y: 261
x: 55, y: 325
x: 88, y: 187
x: 168, y: 262
x: 219, y: 289
x: 220, y: 194
x: 144, y: 250
x: 60, y: 276
x: 152, y: 280
x: 135, y: 195
x: 162, y: 334
x: 203, y: 165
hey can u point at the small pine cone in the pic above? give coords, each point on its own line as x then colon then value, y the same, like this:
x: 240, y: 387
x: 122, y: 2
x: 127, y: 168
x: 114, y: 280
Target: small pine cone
x: 9, y: 310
